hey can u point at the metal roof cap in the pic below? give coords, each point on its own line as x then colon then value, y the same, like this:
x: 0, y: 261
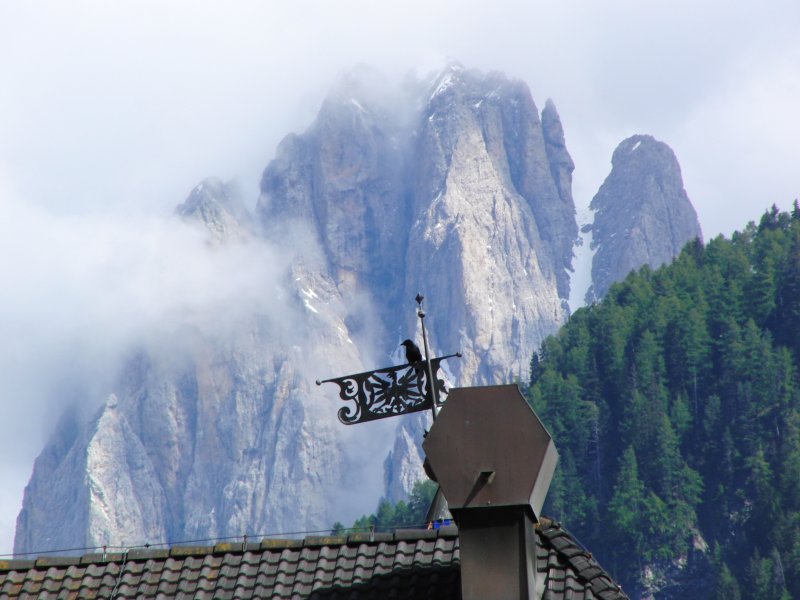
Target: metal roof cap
x: 488, y: 449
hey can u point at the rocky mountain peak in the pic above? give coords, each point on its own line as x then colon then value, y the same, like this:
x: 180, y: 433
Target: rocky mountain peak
x: 527, y: 149
x: 449, y: 76
x: 456, y: 86
x: 561, y: 164
x: 343, y: 178
x: 218, y: 208
x: 642, y: 212
x: 457, y: 187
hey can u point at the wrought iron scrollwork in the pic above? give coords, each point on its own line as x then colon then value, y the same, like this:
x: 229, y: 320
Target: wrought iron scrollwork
x: 389, y: 392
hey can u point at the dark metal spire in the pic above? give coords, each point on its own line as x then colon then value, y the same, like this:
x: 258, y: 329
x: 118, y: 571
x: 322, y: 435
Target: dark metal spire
x: 421, y: 315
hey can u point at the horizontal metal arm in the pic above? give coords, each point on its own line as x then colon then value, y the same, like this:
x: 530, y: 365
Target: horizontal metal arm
x: 388, y: 392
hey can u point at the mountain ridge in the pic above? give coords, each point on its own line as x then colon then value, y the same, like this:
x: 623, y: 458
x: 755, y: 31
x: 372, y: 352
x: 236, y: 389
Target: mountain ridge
x: 465, y: 196
x: 642, y: 212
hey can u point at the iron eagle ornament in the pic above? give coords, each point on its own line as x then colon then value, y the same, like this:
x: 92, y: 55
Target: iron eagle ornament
x: 394, y: 391
x: 390, y: 391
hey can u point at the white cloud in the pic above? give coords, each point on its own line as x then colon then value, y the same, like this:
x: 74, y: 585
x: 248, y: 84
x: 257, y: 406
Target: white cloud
x: 79, y: 292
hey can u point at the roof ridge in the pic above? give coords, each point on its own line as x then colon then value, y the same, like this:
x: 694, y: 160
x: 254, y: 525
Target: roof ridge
x: 581, y: 560
x: 140, y: 553
x: 298, y: 568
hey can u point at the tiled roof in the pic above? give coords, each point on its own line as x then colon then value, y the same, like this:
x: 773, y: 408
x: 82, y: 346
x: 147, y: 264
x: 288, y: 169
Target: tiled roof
x: 404, y: 564
x: 570, y: 572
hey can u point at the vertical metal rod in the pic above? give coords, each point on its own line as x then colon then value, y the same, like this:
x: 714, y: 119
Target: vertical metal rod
x: 431, y: 382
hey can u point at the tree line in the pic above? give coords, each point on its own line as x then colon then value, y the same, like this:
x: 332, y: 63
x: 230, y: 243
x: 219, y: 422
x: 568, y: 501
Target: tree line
x: 675, y: 407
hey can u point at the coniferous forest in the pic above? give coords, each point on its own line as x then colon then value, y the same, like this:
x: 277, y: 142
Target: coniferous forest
x: 675, y: 407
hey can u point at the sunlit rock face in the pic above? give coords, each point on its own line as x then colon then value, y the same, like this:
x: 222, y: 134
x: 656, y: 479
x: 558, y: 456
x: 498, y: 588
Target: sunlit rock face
x: 643, y: 215
x: 491, y: 236
x: 455, y: 186
x: 467, y: 200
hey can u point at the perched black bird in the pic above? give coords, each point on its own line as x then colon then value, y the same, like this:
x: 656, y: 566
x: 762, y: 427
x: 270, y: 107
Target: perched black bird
x: 412, y: 351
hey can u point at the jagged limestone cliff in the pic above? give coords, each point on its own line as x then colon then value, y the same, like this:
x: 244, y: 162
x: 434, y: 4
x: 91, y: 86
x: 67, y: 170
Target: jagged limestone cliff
x: 467, y: 201
x: 491, y: 237
x: 642, y: 213
x: 456, y: 187
x: 212, y: 430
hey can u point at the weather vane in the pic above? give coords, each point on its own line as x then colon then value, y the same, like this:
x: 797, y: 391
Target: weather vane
x: 393, y: 391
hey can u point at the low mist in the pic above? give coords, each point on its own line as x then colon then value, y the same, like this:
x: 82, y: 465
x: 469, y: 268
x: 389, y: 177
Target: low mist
x: 82, y: 292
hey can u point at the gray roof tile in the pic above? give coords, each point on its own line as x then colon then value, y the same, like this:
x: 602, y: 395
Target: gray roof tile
x: 419, y: 564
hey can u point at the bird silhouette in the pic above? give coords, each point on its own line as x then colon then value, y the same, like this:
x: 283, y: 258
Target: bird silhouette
x: 413, y: 355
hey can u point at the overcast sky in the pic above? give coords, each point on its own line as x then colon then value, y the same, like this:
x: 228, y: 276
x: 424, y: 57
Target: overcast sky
x: 110, y: 112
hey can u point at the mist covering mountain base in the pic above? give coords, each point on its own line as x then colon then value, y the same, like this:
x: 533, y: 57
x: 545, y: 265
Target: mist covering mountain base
x: 455, y: 186
x: 675, y: 405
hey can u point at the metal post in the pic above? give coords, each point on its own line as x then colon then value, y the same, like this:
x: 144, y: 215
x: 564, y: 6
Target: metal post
x: 431, y: 382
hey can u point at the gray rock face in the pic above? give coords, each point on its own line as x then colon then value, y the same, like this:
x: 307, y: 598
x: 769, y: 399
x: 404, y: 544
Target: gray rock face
x: 403, y: 466
x: 466, y: 201
x: 213, y: 437
x: 344, y: 180
x: 43, y: 521
x: 486, y: 238
x: 218, y: 208
x: 455, y: 187
x: 211, y: 431
x: 643, y: 215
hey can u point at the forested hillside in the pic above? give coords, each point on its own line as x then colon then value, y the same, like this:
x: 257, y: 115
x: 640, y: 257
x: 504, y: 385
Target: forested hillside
x: 675, y: 406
